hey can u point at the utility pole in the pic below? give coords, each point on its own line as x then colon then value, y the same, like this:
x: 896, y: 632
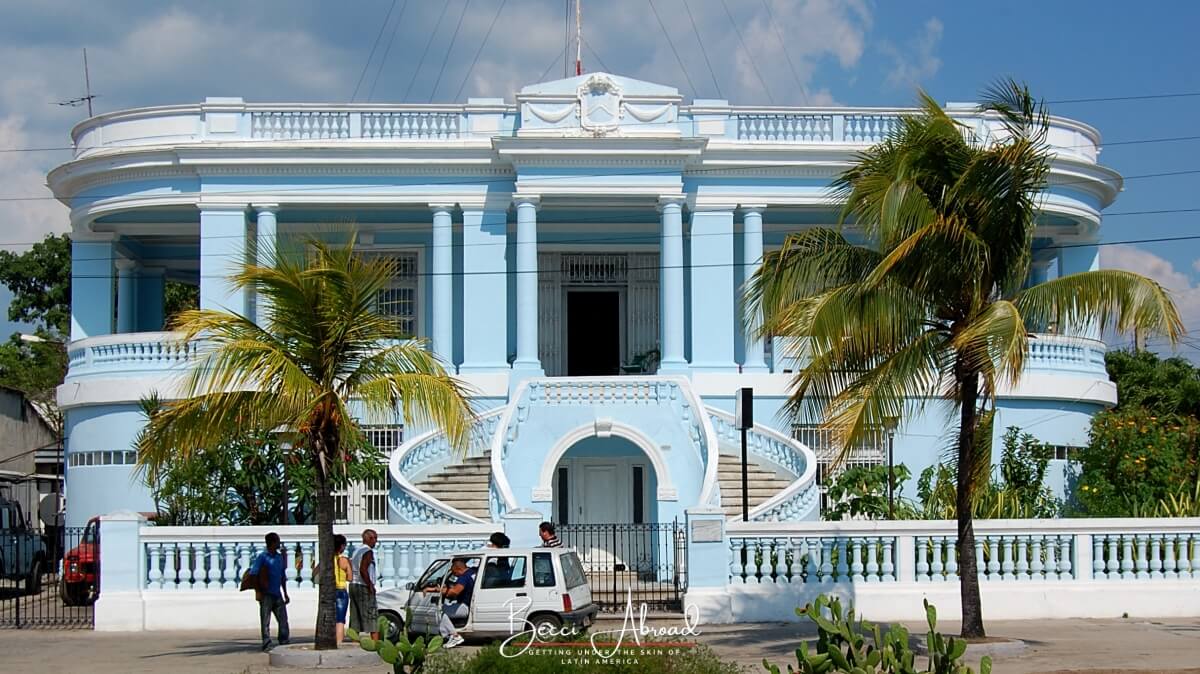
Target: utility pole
x: 743, y: 404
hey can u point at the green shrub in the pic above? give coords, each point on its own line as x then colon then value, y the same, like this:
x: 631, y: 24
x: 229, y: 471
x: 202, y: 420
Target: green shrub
x: 630, y: 659
x: 843, y: 646
x: 1134, y: 461
x: 860, y: 492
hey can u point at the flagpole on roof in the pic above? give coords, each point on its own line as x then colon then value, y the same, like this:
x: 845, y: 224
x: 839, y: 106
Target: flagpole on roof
x: 578, y: 38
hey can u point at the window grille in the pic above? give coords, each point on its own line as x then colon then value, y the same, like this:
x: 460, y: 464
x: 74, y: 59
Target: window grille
x: 399, y: 300
x: 871, y: 450
x: 365, y: 502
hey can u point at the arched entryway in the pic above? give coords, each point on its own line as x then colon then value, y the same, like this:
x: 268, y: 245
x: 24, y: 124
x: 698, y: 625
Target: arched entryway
x: 605, y: 480
x: 606, y: 492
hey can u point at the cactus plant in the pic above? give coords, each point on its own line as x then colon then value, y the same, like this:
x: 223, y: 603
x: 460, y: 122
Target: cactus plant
x: 405, y: 656
x: 843, y: 645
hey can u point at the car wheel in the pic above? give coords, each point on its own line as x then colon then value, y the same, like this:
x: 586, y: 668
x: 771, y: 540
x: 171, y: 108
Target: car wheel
x: 545, y: 624
x: 33, y: 582
x: 395, y: 624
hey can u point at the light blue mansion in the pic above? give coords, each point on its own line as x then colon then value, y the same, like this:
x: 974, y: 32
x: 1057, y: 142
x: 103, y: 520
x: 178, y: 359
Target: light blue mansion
x: 576, y: 256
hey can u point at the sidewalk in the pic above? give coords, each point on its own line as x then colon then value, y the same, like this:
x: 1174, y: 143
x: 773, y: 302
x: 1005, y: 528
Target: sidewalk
x: 1077, y: 646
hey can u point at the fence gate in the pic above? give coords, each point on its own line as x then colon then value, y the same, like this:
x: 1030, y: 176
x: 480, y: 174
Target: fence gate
x: 645, y: 563
x: 47, y: 580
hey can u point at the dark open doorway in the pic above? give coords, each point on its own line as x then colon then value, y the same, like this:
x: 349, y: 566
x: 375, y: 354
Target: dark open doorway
x: 593, y: 333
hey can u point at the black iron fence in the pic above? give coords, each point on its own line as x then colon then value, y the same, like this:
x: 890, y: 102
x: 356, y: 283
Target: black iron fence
x: 642, y: 563
x: 48, y: 580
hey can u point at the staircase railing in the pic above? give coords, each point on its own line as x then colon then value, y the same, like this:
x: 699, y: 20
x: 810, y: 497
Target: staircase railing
x: 675, y: 392
x: 800, y: 497
x: 425, y: 453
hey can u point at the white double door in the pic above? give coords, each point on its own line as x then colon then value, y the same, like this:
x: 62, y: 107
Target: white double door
x: 600, y: 490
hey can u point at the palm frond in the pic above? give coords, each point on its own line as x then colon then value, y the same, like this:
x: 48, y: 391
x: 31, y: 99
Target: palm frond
x: 1104, y: 298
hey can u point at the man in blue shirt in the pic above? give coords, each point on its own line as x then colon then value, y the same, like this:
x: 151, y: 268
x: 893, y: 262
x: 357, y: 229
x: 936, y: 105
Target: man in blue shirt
x: 456, y: 600
x: 270, y: 568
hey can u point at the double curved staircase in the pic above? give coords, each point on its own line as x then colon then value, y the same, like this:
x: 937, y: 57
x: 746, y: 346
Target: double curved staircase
x: 511, y: 445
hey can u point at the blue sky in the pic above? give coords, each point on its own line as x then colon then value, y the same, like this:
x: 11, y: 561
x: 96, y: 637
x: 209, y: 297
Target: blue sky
x: 146, y: 52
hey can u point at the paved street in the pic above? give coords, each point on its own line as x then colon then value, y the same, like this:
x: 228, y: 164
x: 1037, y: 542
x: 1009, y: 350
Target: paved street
x: 1077, y: 646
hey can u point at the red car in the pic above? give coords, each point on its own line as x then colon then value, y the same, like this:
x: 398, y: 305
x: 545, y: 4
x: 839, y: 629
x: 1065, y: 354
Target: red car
x: 80, y: 582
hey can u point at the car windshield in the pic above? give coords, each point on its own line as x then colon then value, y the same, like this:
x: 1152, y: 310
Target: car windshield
x: 89, y: 533
x: 435, y: 574
x: 572, y: 570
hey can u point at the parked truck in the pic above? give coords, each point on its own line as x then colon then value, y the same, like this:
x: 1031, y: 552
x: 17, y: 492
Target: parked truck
x: 80, y: 584
x: 22, y: 550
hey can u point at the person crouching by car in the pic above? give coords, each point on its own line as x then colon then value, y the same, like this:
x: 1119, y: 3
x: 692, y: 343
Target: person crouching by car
x: 456, y: 600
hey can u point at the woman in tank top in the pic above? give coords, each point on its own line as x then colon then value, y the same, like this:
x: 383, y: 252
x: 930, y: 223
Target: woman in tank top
x: 341, y: 583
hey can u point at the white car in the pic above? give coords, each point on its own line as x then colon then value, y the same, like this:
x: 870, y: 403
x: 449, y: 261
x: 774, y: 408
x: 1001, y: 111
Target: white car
x: 516, y: 590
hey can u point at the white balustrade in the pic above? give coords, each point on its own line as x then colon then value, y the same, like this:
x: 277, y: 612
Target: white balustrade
x: 214, y: 558
x: 1006, y: 551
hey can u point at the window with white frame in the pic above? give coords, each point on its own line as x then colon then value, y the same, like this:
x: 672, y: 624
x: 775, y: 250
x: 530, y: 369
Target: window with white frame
x: 400, y: 300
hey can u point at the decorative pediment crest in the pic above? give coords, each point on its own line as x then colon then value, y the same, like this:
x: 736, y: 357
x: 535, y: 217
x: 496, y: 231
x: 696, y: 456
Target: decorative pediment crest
x: 599, y: 104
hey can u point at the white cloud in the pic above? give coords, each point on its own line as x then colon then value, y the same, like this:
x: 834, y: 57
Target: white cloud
x: 29, y: 219
x: 1185, y: 293
x: 917, y: 60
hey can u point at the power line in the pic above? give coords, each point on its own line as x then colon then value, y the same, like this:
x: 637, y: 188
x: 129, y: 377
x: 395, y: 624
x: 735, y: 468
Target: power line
x: 703, y: 49
x: 1106, y: 99
x: 371, y: 55
x: 561, y: 52
x: 671, y: 44
x: 505, y: 180
x: 479, y: 51
x: 387, y: 51
x: 425, y: 51
x: 783, y: 46
x: 746, y: 51
x: 630, y: 239
x: 595, y: 54
x: 307, y: 141
x: 449, y: 50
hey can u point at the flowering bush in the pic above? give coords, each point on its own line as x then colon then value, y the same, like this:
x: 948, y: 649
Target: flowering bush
x: 1134, y: 460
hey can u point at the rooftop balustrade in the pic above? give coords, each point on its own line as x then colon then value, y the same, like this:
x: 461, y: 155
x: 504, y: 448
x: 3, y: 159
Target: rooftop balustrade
x: 220, y: 121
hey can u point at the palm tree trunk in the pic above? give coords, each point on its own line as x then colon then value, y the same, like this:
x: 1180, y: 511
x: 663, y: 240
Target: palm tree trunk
x: 968, y: 572
x: 326, y: 630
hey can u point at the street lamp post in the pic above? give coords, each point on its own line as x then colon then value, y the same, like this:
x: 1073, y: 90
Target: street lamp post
x: 890, y: 423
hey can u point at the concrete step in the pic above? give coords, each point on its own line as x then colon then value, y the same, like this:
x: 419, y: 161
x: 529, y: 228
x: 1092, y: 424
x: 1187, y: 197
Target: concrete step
x: 466, y: 480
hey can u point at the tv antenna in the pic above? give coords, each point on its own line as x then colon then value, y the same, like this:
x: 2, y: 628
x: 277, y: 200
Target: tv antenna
x: 87, y: 87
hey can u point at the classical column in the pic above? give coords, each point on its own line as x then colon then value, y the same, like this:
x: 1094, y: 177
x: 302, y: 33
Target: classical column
x: 126, y: 295
x: 442, y: 281
x: 527, y: 286
x: 91, y: 285
x: 222, y: 253
x: 715, y: 323
x: 150, y: 287
x: 266, y: 236
x: 1073, y: 260
x: 485, y: 286
x: 671, y: 286
x: 752, y: 253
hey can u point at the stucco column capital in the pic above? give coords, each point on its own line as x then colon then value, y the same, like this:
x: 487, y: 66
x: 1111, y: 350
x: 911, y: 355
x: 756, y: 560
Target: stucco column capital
x: 534, y: 200
x: 125, y: 264
x: 442, y: 206
x: 265, y: 208
x: 671, y: 200
x: 756, y: 209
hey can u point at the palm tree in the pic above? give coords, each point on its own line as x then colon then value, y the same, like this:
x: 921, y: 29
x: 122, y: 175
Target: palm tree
x: 321, y: 347
x: 932, y: 305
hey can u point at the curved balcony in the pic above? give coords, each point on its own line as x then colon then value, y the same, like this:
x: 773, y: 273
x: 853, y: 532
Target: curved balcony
x: 129, y: 353
x: 1063, y: 354
x: 224, y: 120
